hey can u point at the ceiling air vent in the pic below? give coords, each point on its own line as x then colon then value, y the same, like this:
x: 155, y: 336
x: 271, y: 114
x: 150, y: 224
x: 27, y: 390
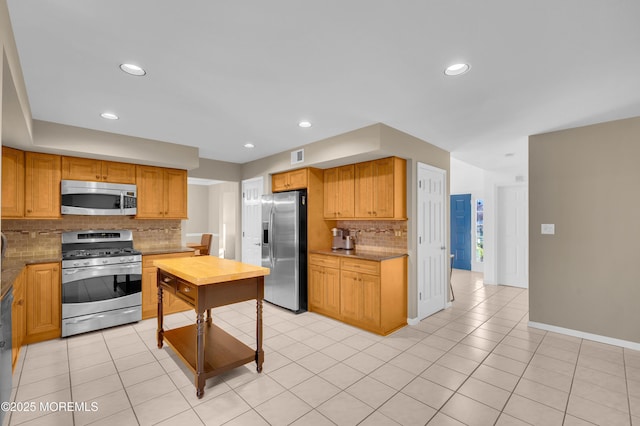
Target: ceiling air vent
x: 297, y: 156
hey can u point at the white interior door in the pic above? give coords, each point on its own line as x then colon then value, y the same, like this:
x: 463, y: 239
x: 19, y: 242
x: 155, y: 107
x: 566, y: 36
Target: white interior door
x: 432, y: 260
x: 252, y: 190
x: 513, y: 237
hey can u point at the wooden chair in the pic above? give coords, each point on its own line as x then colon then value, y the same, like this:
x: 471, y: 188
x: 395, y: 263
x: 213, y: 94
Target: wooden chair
x: 203, y: 247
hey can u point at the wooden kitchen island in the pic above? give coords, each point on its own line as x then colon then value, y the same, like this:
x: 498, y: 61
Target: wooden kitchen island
x: 206, y: 282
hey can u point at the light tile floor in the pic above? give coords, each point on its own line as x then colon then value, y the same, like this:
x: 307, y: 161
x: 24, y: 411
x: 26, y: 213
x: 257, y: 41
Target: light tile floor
x: 475, y: 363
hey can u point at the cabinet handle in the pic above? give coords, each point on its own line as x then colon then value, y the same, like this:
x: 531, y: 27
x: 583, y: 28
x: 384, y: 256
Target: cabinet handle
x: 160, y: 213
x: 166, y: 279
x: 186, y: 289
x: 97, y: 176
x: 28, y: 211
x: 104, y: 177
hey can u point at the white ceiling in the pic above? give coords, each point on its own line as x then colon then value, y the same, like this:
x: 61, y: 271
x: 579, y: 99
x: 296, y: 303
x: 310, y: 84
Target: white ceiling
x: 221, y: 74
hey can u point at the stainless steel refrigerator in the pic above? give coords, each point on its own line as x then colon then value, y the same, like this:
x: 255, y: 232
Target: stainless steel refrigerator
x: 284, y: 249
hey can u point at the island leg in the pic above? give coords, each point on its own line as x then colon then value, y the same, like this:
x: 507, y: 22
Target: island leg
x: 200, y: 377
x: 259, y: 351
x: 160, y: 319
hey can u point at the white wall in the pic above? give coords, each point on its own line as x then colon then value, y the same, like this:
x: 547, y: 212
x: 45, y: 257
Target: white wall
x: 468, y: 179
x: 214, y: 209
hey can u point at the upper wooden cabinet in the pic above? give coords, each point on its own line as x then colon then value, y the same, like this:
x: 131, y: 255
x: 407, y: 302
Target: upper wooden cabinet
x: 42, y: 186
x: 380, y: 189
x: 339, y: 192
x: 162, y: 193
x: 12, y: 182
x: 287, y: 181
x: 76, y: 168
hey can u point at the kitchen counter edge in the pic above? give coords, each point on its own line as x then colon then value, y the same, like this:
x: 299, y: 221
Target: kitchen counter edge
x: 361, y: 254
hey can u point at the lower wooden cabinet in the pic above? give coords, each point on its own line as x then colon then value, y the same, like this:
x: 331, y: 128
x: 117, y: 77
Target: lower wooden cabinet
x: 170, y: 303
x: 360, y: 297
x: 324, y: 285
x: 43, y: 302
x: 367, y: 294
x: 18, y: 316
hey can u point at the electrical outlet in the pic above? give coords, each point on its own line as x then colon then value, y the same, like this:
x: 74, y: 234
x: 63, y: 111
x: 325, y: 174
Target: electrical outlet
x: 32, y: 234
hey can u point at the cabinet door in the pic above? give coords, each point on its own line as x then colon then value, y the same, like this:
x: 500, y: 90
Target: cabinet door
x: 332, y: 291
x: 297, y: 179
x: 149, y: 292
x: 279, y: 182
x: 43, y: 302
x: 331, y: 191
x: 370, y: 309
x: 18, y: 317
x: 364, y: 189
x: 76, y: 168
x: 150, y: 182
x: 350, y: 295
x: 42, y: 185
x: 316, y: 278
x: 170, y: 303
x: 382, y: 186
x: 339, y: 192
x: 116, y: 172
x: 175, y: 194
x: 345, y: 195
x: 12, y: 182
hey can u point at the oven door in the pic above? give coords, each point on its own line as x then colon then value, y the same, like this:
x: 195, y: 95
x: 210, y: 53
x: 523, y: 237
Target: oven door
x: 100, y: 288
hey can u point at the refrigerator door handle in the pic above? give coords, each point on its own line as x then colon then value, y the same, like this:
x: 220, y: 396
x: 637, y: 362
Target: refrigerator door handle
x: 272, y: 251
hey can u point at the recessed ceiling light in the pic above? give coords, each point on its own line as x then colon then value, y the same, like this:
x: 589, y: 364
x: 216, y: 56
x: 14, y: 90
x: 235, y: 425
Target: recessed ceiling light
x: 457, y: 69
x: 109, y: 116
x: 249, y: 145
x: 132, y: 69
x: 304, y: 124
x: 509, y: 154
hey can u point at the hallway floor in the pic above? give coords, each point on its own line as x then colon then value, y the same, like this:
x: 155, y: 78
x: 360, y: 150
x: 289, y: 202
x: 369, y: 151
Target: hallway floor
x: 475, y: 363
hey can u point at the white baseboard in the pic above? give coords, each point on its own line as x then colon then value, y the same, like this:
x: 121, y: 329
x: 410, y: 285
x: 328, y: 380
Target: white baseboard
x: 589, y: 336
x: 413, y: 321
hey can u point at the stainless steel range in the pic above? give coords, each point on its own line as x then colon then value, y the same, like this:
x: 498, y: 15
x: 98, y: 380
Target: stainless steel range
x: 101, y: 280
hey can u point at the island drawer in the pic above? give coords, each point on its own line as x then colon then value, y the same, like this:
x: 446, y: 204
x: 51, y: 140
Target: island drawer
x: 170, y: 282
x: 187, y: 291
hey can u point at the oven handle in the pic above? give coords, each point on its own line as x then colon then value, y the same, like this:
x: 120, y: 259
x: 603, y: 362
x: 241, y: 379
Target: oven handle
x: 75, y: 274
x: 100, y: 315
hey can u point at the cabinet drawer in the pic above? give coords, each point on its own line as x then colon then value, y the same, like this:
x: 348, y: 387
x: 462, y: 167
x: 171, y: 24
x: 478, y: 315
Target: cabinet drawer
x: 170, y: 282
x: 186, y: 291
x: 358, y: 265
x: 322, y: 260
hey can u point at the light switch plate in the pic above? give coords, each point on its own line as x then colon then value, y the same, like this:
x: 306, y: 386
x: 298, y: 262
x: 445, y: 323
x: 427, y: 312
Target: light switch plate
x: 548, y: 228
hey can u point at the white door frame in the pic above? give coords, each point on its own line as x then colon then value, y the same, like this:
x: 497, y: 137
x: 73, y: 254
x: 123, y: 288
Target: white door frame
x: 432, y: 248
x: 258, y: 182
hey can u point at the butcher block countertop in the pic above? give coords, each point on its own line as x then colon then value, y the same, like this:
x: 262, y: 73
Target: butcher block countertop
x: 202, y: 270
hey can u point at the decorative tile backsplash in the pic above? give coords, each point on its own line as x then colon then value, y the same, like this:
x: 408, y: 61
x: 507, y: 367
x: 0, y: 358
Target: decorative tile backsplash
x: 40, y: 239
x: 377, y: 235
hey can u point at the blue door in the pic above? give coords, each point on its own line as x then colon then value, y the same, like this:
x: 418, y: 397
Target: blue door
x: 461, y: 231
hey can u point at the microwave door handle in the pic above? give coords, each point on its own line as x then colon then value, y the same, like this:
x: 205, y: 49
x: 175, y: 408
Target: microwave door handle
x: 121, y: 202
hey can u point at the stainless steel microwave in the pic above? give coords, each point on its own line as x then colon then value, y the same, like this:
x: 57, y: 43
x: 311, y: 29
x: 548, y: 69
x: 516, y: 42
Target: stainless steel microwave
x: 98, y: 198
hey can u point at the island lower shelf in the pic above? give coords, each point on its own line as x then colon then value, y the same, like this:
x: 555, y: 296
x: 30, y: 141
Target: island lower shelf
x: 222, y: 351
